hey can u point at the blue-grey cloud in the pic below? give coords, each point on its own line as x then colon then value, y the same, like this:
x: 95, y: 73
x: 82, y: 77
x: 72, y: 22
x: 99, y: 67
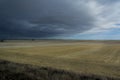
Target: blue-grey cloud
x: 108, y: 1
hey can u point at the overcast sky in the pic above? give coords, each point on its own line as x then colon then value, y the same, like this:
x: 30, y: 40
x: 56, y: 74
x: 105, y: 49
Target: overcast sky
x: 63, y: 19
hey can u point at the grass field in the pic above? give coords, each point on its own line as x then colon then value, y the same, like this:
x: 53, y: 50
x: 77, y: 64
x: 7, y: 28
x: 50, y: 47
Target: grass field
x: 89, y: 57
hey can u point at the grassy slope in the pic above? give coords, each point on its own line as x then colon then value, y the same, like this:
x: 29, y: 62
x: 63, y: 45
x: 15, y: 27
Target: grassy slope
x: 100, y: 59
x: 15, y: 71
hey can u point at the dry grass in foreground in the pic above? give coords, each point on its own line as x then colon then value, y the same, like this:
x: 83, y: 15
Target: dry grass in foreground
x: 15, y: 71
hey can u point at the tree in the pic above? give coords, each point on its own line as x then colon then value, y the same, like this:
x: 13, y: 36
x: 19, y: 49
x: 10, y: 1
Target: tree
x: 2, y: 40
x: 33, y: 39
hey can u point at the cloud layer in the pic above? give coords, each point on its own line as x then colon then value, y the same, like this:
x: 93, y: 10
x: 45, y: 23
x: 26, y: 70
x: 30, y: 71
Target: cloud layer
x: 50, y: 18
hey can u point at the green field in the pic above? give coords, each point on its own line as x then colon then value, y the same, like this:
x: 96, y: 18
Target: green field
x: 89, y: 57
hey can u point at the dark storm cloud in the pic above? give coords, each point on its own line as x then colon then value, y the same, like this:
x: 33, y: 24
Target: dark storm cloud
x: 44, y: 18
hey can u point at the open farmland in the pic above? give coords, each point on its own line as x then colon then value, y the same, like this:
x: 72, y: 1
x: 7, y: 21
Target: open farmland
x: 87, y: 57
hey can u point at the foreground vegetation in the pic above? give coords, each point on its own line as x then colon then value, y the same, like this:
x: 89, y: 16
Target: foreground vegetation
x: 80, y: 57
x: 15, y: 71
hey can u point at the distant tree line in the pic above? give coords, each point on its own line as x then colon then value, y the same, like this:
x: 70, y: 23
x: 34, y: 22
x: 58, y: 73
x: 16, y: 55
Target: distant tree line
x: 3, y: 40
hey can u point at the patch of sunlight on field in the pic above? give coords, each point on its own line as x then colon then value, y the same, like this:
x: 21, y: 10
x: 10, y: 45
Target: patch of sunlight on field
x: 92, y: 58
